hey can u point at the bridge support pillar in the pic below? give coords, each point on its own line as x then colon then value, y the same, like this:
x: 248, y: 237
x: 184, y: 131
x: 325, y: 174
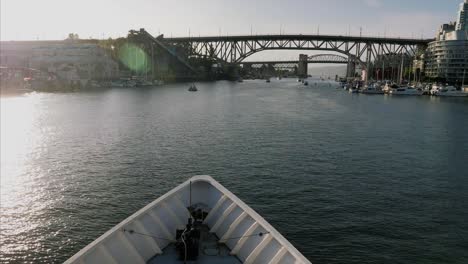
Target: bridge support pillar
x: 368, y: 59
x: 302, y: 70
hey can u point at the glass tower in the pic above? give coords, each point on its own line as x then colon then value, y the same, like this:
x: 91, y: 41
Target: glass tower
x: 463, y: 17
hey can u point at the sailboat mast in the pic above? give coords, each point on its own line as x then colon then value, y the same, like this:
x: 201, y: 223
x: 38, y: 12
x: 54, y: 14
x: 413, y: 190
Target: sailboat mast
x: 463, y: 80
x: 401, y: 69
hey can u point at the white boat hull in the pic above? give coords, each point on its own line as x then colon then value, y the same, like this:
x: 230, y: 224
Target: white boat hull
x: 451, y: 92
x: 407, y: 92
x: 372, y: 92
x: 230, y: 219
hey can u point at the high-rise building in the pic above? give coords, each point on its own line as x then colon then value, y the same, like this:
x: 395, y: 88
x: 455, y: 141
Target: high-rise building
x: 463, y: 17
x: 447, y: 57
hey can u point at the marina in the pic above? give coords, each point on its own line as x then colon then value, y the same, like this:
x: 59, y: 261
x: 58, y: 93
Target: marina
x: 412, y: 90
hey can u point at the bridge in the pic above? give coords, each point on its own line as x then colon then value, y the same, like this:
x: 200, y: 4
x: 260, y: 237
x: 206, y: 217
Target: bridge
x: 235, y: 49
x: 299, y: 67
x: 320, y: 58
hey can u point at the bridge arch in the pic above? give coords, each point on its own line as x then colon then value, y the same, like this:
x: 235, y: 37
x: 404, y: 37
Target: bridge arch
x: 328, y: 58
x: 348, y: 55
x: 317, y: 58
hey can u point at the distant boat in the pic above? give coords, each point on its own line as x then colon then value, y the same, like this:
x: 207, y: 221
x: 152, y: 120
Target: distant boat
x: 192, y: 88
x: 144, y: 83
x: 406, y: 91
x: 372, y: 89
x: 200, y: 221
x: 158, y: 82
x: 124, y: 82
x: 451, y: 91
x: 435, y: 89
x: 268, y: 80
x: 131, y: 83
x: 390, y: 86
x: 306, y: 83
x: 353, y: 90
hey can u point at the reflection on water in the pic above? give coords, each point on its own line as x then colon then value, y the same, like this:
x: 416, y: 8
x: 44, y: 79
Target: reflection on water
x: 20, y: 184
x: 346, y: 178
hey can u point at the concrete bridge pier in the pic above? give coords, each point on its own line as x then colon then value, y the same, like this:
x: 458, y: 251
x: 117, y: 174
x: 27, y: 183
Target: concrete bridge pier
x: 302, y: 70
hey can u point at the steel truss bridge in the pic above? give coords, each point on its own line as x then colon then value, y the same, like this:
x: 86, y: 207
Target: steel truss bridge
x: 234, y: 49
x: 320, y: 58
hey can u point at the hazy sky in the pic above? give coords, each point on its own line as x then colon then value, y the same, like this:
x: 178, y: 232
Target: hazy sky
x: 54, y: 19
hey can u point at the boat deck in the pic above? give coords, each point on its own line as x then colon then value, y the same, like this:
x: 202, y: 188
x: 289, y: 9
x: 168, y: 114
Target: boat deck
x: 210, y: 252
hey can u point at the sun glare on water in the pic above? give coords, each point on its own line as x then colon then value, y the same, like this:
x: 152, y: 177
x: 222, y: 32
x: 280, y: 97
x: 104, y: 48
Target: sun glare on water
x: 20, y: 144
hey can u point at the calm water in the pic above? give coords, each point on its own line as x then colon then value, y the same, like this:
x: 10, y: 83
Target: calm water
x: 346, y: 178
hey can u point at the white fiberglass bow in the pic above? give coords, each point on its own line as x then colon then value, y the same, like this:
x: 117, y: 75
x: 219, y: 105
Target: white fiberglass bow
x: 240, y: 235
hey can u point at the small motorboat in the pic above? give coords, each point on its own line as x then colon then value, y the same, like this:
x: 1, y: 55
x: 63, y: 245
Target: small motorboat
x: 200, y: 221
x: 406, y: 91
x: 118, y: 83
x: 192, y: 88
x: 268, y: 80
x: 372, y: 89
x: 450, y: 91
x: 389, y: 87
x: 435, y: 89
x: 306, y: 83
x: 353, y: 90
x: 158, y: 82
x: 131, y: 83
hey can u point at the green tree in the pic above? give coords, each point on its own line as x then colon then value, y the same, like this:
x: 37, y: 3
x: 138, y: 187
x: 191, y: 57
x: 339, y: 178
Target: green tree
x: 73, y: 36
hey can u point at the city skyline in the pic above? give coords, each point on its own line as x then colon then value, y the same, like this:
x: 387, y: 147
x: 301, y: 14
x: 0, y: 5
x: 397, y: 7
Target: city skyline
x: 53, y: 19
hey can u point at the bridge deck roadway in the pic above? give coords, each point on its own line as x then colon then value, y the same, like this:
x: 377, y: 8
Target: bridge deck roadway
x: 403, y: 41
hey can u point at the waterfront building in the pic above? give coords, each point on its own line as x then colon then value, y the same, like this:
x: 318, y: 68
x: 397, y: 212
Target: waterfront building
x: 74, y: 61
x: 447, y: 57
x: 16, y: 54
x: 67, y: 60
